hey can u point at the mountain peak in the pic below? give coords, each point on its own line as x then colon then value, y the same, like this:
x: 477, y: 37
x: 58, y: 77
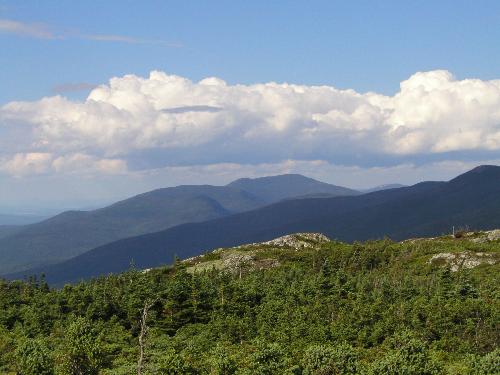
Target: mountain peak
x: 383, y: 187
x: 480, y: 173
x: 279, y: 177
x: 485, y: 168
x: 274, y: 188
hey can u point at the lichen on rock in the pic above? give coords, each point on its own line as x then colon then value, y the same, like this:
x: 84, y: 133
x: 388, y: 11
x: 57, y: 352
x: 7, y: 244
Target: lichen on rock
x: 488, y: 236
x: 298, y: 240
x: 463, y: 260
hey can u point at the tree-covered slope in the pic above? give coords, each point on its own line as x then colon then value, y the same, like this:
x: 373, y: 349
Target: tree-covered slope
x: 74, y: 232
x: 299, y: 305
x: 425, y: 209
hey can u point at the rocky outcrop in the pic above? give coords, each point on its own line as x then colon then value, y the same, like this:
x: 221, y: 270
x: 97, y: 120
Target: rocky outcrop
x: 298, y: 240
x: 491, y: 235
x: 233, y: 261
x: 244, y: 258
x: 462, y: 260
x: 238, y: 262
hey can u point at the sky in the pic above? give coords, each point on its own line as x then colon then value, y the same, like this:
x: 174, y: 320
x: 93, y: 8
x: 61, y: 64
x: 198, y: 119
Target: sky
x: 103, y: 100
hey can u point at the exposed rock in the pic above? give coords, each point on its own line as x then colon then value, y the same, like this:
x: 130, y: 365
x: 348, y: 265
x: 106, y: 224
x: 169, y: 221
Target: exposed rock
x: 295, y: 241
x: 463, y: 260
x: 298, y: 240
x: 419, y: 239
x: 235, y: 261
x: 491, y: 235
x: 193, y: 259
x: 239, y: 262
x: 243, y: 258
x: 476, y: 237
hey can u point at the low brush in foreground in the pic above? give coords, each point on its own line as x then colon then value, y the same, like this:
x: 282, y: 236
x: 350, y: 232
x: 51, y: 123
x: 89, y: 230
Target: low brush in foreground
x: 299, y: 304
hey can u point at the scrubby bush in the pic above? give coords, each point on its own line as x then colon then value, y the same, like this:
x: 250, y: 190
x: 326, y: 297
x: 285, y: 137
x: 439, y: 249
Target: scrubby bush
x: 34, y: 358
x: 328, y: 310
x: 81, y: 352
x: 330, y: 360
x: 268, y: 359
x: 488, y: 364
x: 408, y: 356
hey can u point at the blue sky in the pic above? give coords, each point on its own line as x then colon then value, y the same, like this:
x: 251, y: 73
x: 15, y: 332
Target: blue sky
x: 364, y: 45
x: 438, y: 124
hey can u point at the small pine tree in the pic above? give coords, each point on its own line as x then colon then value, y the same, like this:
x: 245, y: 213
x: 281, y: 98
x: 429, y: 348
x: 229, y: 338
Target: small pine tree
x: 326, y: 360
x: 408, y: 356
x: 172, y: 363
x: 268, y: 359
x: 81, y: 352
x: 221, y: 362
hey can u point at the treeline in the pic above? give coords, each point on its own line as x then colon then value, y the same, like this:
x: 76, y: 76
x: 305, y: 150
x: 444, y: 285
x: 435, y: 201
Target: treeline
x: 370, y: 308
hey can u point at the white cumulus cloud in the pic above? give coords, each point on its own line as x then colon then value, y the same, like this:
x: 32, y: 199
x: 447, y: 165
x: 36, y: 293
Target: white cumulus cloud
x: 28, y: 163
x: 33, y: 163
x: 187, y: 122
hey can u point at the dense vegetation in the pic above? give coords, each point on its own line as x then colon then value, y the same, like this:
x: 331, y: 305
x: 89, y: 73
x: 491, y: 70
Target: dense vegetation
x: 369, y: 308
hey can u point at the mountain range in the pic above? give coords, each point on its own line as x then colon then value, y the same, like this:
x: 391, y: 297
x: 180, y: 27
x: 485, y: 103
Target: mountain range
x: 383, y: 187
x: 72, y: 233
x: 426, y: 209
x: 11, y: 219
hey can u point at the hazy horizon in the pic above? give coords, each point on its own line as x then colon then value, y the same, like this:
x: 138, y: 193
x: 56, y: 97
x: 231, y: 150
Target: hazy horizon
x: 44, y: 210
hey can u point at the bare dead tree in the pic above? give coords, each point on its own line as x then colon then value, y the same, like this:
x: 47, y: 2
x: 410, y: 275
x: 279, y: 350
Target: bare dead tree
x: 142, y: 335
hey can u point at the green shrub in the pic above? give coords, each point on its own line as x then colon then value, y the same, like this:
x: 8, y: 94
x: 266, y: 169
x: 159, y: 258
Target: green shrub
x: 268, y: 359
x: 330, y: 360
x: 34, y: 358
x: 173, y: 363
x: 221, y: 361
x: 81, y: 352
x: 488, y: 364
x: 408, y: 356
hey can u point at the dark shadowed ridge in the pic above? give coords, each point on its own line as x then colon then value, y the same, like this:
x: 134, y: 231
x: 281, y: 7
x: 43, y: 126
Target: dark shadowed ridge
x: 74, y: 232
x: 425, y: 209
x: 8, y: 230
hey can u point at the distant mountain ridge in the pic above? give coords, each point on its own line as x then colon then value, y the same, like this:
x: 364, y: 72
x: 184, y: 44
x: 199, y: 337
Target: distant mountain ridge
x: 424, y: 209
x: 13, y: 219
x: 382, y: 187
x: 74, y: 232
x: 276, y: 188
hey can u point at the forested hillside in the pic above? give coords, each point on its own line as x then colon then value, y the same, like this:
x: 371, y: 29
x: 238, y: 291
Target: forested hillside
x: 298, y: 305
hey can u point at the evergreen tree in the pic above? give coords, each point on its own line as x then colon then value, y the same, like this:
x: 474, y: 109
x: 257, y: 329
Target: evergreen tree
x: 81, y: 352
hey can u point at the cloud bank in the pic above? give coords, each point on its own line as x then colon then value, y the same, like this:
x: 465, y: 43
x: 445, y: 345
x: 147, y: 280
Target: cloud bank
x: 164, y: 123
